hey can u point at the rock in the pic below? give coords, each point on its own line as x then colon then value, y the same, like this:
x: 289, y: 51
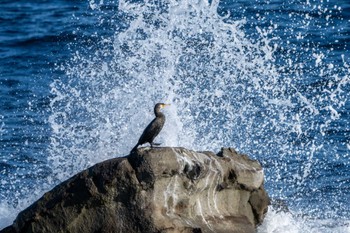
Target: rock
x: 164, y: 190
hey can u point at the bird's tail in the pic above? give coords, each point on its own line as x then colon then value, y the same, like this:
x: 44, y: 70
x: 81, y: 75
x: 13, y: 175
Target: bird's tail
x: 134, y: 149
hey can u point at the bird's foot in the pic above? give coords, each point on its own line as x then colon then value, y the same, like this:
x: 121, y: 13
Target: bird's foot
x: 155, y: 144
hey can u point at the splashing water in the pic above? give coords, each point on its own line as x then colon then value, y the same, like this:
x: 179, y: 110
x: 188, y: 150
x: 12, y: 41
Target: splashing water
x: 180, y: 52
x: 278, y: 101
x: 227, y: 89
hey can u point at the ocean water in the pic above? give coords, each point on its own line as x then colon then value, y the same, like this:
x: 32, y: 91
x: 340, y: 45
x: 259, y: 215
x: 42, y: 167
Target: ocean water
x: 79, y: 79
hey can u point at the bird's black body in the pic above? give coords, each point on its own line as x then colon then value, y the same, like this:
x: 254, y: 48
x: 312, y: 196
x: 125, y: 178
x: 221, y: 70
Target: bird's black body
x: 154, y: 128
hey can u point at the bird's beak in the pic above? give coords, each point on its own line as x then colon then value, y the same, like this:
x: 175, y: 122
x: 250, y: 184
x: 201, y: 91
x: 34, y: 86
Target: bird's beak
x: 164, y: 105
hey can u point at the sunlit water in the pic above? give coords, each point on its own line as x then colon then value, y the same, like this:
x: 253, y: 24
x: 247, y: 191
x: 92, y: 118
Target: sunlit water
x: 270, y: 79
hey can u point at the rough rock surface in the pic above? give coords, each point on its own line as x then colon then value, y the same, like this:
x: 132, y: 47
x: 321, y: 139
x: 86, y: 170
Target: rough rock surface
x: 154, y: 190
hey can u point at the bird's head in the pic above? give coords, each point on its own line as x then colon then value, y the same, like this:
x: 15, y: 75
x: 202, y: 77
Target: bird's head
x: 159, y: 106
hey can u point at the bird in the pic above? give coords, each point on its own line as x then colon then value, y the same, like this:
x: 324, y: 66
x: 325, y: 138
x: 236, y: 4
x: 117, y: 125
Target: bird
x: 153, y: 129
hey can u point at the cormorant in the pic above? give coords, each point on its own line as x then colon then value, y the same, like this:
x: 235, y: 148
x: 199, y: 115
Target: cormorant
x: 153, y: 129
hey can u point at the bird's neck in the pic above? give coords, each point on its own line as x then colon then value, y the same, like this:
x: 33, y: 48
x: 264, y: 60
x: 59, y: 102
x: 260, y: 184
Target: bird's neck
x: 158, y: 113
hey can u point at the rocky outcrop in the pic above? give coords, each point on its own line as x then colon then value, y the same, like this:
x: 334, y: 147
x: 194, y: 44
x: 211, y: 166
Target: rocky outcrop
x: 155, y: 190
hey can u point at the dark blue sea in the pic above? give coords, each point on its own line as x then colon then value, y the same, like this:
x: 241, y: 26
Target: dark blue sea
x: 79, y: 79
